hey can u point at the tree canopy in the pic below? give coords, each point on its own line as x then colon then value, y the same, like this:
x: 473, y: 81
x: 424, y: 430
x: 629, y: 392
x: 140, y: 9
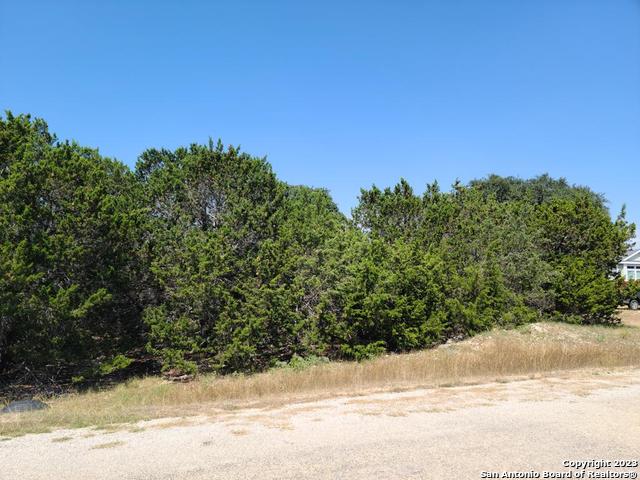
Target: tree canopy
x: 202, y: 259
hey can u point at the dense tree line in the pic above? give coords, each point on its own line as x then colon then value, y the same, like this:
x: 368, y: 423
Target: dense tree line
x: 203, y: 259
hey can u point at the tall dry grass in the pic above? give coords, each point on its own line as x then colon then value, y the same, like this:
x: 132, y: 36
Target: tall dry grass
x: 534, y: 349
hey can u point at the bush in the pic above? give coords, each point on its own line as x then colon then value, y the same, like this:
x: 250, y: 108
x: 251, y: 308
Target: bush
x: 627, y: 289
x: 210, y: 262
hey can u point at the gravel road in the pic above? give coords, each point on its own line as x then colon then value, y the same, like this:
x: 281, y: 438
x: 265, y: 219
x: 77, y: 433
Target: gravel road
x: 456, y: 433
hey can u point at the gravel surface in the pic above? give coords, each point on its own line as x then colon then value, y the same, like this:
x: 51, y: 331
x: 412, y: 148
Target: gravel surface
x: 456, y: 433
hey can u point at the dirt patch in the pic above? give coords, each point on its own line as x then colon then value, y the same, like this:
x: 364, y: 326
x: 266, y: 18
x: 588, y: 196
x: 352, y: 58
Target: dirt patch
x: 629, y: 317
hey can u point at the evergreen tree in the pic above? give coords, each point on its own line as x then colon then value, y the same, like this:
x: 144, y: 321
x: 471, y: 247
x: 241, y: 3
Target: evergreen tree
x: 203, y: 256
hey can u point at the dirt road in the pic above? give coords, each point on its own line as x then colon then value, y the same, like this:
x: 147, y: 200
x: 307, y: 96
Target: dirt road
x: 456, y: 433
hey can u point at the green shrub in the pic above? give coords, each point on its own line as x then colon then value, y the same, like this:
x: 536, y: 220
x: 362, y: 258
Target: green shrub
x: 203, y: 256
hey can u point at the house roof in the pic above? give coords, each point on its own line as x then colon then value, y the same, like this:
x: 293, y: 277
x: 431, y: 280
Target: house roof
x: 633, y: 257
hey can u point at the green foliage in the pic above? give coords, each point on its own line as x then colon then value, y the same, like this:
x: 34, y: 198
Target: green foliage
x: 583, y: 246
x: 119, y: 362
x: 628, y: 290
x: 298, y: 363
x: 205, y: 260
x: 388, y: 299
x: 69, y: 224
x: 235, y: 258
x: 583, y: 292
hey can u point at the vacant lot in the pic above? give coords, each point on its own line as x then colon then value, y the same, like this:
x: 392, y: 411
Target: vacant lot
x: 525, y: 352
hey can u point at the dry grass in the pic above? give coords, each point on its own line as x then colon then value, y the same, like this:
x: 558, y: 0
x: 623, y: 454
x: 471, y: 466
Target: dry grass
x: 533, y: 349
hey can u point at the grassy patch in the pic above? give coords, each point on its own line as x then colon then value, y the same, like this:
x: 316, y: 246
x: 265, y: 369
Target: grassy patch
x: 533, y: 349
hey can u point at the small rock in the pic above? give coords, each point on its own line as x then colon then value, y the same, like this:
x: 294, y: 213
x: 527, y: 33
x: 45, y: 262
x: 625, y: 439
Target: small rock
x: 24, y: 406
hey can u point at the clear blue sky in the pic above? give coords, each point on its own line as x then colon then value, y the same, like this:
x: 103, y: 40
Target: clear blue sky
x: 344, y: 94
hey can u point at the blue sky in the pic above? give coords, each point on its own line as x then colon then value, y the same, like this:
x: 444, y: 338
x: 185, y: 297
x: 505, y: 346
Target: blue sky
x: 344, y: 94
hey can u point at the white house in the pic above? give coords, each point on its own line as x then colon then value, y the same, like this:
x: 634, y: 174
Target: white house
x: 629, y: 267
